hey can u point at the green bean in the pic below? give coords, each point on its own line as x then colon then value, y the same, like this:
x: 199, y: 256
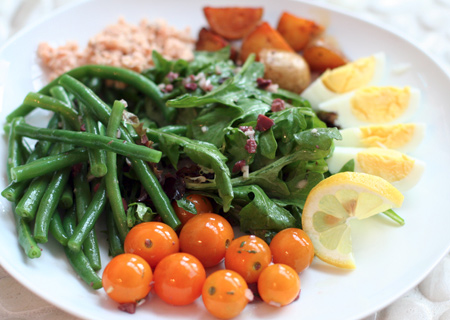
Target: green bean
x: 25, y: 237
x: 115, y: 244
x: 49, y: 164
x: 78, y: 260
x: 86, y: 224
x: 60, y: 93
x: 148, y: 179
x: 82, y: 199
x: 29, y: 203
x: 129, y: 77
x: 112, y: 183
x: 14, y: 148
x: 67, y: 197
x: 57, y: 230
x: 13, y: 192
x: 89, y: 140
x: 97, y: 157
x: 49, y: 203
x: 55, y: 105
x: 25, y: 149
x: 175, y: 129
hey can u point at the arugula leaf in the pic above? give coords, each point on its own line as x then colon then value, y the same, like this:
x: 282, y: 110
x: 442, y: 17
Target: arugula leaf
x: 204, y: 59
x: 287, y: 123
x: 235, y: 141
x: 210, y: 125
x: 163, y: 66
x: 251, y: 108
x: 187, y: 205
x: 138, y: 212
x: 229, y: 92
x: 259, y: 212
x: 202, y: 153
x: 267, y: 144
x: 348, y: 166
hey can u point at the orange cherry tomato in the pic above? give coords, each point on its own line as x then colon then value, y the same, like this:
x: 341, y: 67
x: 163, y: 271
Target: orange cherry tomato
x: 225, y: 294
x: 206, y: 236
x: 249, y: 256
x: 293, y: 247
x: 152, y: 241
x: 179, y: 279
x: 278, y: 285
x: 201, y: 203
x: 127, y: 278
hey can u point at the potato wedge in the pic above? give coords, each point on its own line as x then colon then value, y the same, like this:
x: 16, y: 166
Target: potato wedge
x: 263, y: 37
x: 298, y: 31
x: 209, y: 41
x: 233, y: 23
x: 322, y: 54
x: 287, y: 69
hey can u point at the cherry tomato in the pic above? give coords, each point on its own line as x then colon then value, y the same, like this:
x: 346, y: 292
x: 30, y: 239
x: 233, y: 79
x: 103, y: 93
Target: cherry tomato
x: 248, y: 256
x: 279, y: 285
x: 179, y: 279
x: 201, y: 203
x: 152, y: 241
x: 292, y: 247
x: 127, y: 278
x: 225, y: 294
x: 206, y: 236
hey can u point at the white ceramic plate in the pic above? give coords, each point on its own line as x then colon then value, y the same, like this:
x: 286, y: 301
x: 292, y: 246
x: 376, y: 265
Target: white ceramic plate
x: 390, y: 259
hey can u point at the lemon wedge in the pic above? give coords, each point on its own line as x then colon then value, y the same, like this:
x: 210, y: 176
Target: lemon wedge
x: 334, y: 202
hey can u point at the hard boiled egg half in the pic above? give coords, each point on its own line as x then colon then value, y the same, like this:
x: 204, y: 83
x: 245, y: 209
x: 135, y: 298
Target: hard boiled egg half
x: 351, y: 76
x: 373, y: 105
x: 396, y: 167
x: 404, y: 137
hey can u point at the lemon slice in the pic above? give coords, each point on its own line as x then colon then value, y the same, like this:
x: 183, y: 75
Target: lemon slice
x: 333, y: 202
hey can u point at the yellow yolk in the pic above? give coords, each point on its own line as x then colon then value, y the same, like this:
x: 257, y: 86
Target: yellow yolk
x: 350, y: 76
x: 380, y: 104
x: 389, y: 136
x: 388, y: 164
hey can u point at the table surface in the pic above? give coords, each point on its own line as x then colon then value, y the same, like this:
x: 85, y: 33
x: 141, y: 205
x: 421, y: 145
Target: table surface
x: 424, y: 21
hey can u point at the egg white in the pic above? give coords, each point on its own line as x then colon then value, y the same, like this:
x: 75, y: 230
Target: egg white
x: 352, y: 137
x: 342, y: 106
x: 317, y: 92
x: 342, y: 155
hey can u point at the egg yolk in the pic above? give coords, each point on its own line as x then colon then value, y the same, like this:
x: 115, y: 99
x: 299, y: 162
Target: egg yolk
x: 351, y: 76
x: 389, y: 136
x: 388, y: 164
x: 380, y: 104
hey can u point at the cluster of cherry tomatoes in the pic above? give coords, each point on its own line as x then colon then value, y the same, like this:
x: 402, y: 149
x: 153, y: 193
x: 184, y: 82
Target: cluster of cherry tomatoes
x: 175, y: 264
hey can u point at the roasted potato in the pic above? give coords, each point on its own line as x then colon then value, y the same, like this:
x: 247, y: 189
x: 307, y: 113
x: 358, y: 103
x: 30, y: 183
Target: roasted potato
x: 209, y: 41
x: 297, y: 31
x: 232, y: 23
x: 288, y: 69
x: 322, y: 54
x: 263, y: 37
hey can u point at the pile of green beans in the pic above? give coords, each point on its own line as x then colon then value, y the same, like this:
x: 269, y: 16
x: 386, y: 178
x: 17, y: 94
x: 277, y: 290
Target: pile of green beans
x: 71, y: 178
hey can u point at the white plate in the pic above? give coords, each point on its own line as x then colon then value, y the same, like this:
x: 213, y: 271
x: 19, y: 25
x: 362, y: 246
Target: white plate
x: 390, y: 259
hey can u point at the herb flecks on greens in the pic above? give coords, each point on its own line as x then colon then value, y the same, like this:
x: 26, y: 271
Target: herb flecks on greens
x: 289, y: 157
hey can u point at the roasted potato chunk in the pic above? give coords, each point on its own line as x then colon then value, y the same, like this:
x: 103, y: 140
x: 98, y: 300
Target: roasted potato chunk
x: 297, y: 31
x: 288, y: 69
x: 233, y: 23
x: 263, y: 37
x: 322, y: 54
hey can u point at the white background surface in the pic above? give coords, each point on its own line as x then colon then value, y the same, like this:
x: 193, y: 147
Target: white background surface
x: 423, y: 21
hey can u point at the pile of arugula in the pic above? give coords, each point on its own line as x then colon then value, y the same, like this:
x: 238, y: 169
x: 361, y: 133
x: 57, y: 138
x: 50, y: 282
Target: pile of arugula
x: 203, y: 127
